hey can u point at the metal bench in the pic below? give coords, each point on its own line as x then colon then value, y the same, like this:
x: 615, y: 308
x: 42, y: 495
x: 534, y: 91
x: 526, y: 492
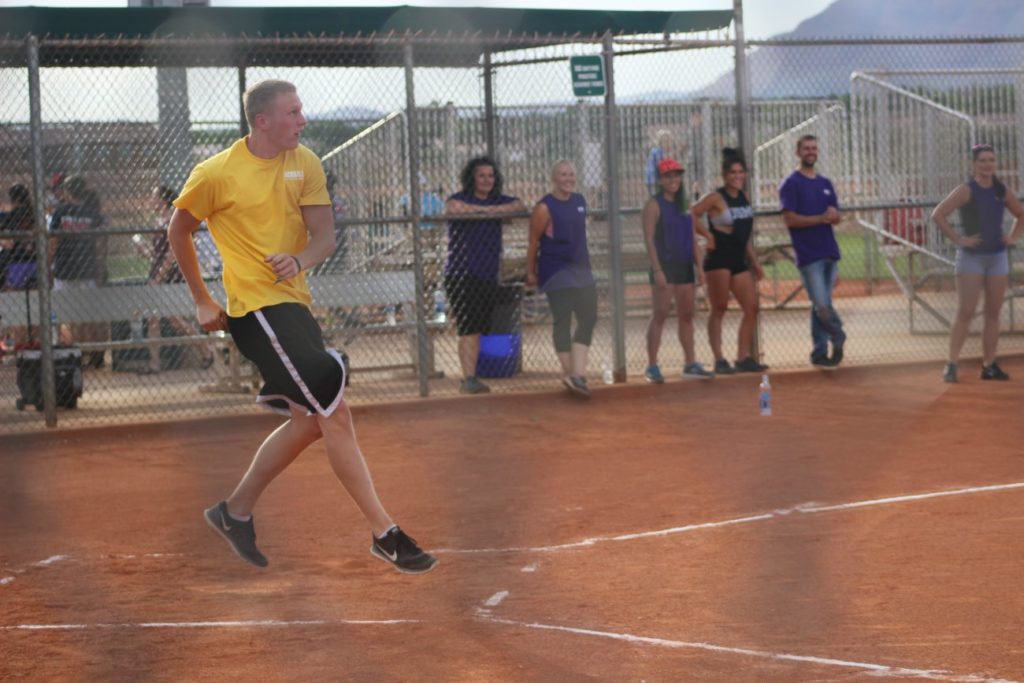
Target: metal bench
x: 116, y: 302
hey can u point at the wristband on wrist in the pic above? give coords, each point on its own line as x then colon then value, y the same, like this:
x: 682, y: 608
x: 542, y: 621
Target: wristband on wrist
x: 298, y: 264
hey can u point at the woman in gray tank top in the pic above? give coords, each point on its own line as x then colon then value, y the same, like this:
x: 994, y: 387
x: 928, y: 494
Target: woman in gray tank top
x: 982, y: 261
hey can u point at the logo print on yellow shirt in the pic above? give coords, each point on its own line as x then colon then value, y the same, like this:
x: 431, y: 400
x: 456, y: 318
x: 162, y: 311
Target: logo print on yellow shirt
x: 294, y: 175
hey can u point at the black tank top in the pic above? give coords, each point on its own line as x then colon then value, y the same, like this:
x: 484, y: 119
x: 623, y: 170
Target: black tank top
x: 740, y: 215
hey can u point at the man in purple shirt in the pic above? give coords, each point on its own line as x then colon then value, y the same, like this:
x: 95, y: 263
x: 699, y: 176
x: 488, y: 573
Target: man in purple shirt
x: 810, y: 209
x: 474, y: 259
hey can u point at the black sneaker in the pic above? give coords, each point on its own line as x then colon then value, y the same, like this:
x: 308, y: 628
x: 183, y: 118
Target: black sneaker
x: 472, y: 385
x: 949, y: 374
x: 822, y: 362
x: 837, y: 355
x: 748, y: 364
x: 577, y: 386
x: 993, y: 372
x: 241, y: 536
x: 722, y: 367
x: 400, y: 550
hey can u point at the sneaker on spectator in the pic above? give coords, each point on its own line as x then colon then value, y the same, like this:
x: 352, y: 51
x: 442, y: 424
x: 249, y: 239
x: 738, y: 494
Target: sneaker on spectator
x: 653, y: 375
x: 722, y: 367
x: 401, y: 551
x: 822, y: 362
x: 748, y: 364
x: 577, y: 386
x: 696, y: 371
x: 993, y: 371
x: 837, y: 355
x: 949, y: 375
x: 472, y: 385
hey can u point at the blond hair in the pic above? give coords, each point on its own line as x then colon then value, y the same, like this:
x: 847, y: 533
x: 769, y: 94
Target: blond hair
x: 258, y: 97
x: 558, y: 164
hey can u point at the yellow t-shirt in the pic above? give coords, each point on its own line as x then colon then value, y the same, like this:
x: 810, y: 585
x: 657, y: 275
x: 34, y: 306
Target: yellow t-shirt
x: 253, y: 209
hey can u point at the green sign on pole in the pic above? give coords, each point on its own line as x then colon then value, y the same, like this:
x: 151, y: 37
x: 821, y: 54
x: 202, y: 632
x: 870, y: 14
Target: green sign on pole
x: 587, y: 75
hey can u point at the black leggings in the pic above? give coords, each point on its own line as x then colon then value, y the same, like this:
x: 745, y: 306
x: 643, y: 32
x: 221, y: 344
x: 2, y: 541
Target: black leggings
x: 564, y: 302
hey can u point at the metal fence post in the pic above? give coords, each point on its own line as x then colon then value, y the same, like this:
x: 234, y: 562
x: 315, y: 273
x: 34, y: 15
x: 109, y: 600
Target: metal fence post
x: 415, y: 209
x: 742, y: 81
x: 489, y: 105
x: 173, y: 123
x: 243, y: 124
x: 746, y: 142
x: 616, y: 279
x: 36, y: 126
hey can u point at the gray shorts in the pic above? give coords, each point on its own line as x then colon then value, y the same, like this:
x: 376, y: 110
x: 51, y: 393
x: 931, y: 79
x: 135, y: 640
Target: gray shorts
x: 987, y: 265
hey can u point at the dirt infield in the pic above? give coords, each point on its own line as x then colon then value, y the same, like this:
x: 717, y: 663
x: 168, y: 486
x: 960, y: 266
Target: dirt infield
x: 870, y: 529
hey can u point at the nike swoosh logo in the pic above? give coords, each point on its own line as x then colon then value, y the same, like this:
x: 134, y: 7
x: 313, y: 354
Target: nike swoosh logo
x: 391, y: 556
x: 224, y: 524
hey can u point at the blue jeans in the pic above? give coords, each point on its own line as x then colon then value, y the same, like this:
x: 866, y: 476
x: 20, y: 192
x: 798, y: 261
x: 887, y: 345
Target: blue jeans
x: 819, y: 280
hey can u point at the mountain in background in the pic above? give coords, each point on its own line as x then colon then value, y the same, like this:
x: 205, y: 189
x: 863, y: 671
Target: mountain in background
x: 813, y: 71
x: 348, y: 114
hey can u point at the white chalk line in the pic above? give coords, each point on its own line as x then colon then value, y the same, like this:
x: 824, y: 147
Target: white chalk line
x: 51, y: 560
x: 252, y: 623
x: 803, y: 508
x: 496, y: 599
x: 874, y: 669
x: 54, y: 559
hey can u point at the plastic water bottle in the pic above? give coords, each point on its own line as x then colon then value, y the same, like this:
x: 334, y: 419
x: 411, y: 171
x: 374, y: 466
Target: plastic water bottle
x: 766, y: 396
x: 135, y: 326
x: 389, y: 314
x: 607, y: 376
x: 439, y: 306
x: 54, y: 329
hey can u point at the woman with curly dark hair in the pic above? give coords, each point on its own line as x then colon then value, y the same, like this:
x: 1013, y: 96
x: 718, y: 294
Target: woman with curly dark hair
x: 474, y: 259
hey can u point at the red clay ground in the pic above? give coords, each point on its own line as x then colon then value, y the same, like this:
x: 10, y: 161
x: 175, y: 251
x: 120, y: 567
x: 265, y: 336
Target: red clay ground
x: 141, y: 590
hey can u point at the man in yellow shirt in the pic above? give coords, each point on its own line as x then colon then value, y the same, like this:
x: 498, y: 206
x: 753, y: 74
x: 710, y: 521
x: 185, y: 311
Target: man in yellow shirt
x: 266, y: 204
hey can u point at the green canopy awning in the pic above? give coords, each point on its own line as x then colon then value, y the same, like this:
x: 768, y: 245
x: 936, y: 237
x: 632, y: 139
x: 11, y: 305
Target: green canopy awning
x: 346, y: 36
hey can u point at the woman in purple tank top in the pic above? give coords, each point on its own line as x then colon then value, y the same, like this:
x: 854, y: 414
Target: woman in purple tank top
x: 558, y: 261
x: 675, y: 267
x: 982, y: 261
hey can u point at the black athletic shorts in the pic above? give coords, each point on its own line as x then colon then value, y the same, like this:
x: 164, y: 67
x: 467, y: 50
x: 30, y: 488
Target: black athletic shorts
x: 729, y: 257
x: 676, y: 272
x: 285, y: 343
x: 472, y: 302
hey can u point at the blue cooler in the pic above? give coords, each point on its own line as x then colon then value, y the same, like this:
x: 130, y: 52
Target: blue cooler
x: 501, y: 349
x: 499, y: 355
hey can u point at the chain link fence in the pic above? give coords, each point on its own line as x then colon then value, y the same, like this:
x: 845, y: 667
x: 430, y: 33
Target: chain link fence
x: 428, y: 282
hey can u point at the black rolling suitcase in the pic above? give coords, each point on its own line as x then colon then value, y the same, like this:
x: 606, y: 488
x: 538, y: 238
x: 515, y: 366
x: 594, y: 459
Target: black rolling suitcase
x: 67, y: 370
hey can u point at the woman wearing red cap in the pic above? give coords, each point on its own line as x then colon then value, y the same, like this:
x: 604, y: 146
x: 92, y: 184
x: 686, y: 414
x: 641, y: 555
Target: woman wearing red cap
x: 675, y: 266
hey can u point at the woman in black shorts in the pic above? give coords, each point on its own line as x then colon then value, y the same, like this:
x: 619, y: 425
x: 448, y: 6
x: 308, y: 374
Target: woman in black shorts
x: 731, y: 264
x: 471, y: 275
x: 675, y: 266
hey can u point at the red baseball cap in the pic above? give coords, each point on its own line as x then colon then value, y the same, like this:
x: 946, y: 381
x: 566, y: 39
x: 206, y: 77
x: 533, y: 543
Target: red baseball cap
x: 669, y: 165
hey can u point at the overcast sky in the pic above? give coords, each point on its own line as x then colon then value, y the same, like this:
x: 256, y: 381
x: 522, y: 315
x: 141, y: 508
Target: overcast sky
x: 130, y: 94
x: 763, y: 18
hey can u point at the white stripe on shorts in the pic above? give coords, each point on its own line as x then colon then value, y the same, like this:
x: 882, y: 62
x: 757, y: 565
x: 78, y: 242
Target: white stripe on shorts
x: 295, y: 373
